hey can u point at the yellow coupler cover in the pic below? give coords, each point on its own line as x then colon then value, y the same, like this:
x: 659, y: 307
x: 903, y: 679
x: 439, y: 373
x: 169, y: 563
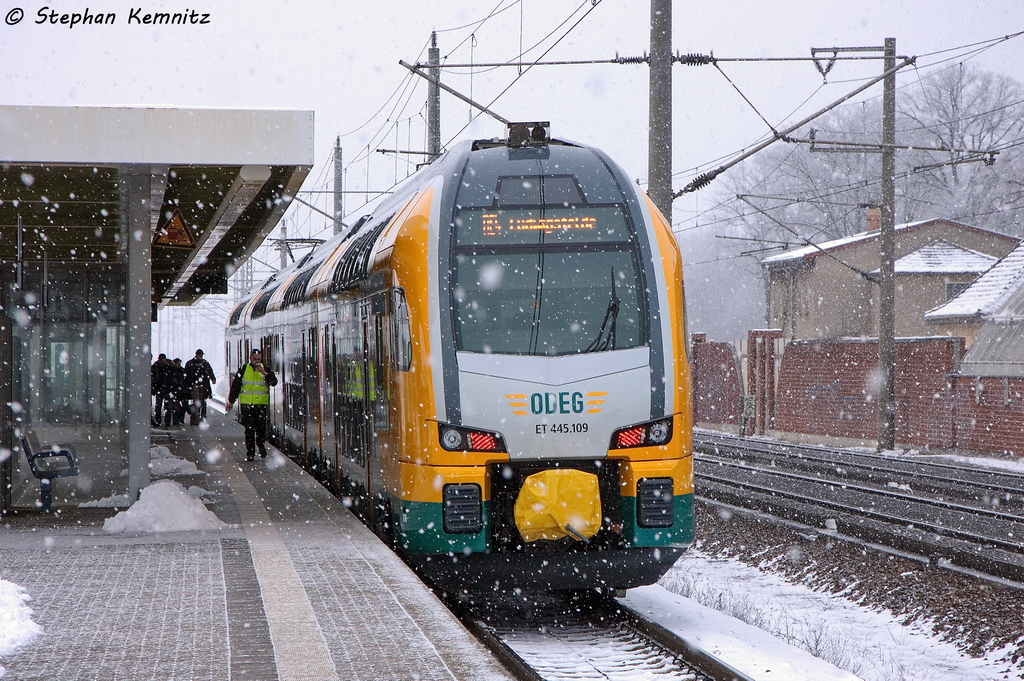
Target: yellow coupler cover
x: 552, y: 499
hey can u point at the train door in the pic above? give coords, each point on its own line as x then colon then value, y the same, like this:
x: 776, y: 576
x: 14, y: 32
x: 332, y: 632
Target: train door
x: 339, y: 417
x: 327, y: 352
x: 229, y: 366
x: 278, y: 365
x: 365, y: 436
x: 312, y: 389
x: 375, y: 403
x: 301, y: 401
x: 269, y: 361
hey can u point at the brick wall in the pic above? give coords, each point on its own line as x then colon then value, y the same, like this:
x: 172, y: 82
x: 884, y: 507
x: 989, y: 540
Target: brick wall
x: 990, y: 414
x: 717, y: 394
x: 830, y: 387
x: 925, y: 404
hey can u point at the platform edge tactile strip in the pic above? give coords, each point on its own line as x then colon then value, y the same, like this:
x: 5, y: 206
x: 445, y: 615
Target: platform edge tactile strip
x: 299, y: 648
x: 252, y: 651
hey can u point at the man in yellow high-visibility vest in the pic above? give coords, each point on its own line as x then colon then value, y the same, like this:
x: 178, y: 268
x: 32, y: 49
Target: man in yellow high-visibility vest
x: 251, y: 387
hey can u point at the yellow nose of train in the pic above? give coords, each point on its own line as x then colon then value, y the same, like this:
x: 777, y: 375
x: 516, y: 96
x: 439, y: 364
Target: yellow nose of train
x: 556, y: 503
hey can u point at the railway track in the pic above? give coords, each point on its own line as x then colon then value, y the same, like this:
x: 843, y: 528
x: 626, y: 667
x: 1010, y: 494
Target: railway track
x: 583, y: 635
x: 954, y: 516
x: 970, y: 484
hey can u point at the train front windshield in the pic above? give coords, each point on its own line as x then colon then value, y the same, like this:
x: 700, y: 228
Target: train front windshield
x: 546, y: 281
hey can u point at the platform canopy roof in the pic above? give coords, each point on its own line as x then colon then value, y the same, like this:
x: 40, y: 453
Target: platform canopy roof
x: 220, y: 181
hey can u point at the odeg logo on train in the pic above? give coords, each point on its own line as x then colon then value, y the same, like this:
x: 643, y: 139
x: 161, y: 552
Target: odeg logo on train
x: 556, y: 403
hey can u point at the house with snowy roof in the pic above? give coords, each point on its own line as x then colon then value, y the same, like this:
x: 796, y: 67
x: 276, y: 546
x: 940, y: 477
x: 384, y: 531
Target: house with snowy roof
x: 989, y: 314
x: 830, y: 290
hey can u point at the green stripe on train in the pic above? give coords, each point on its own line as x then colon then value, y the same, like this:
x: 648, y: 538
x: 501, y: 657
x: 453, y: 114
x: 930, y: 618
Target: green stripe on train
x: 681, y: 532
x: 421, y: 529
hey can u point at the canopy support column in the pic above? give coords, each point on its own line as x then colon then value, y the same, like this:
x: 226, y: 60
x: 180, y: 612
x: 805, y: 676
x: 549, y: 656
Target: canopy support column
x: 136, y: 250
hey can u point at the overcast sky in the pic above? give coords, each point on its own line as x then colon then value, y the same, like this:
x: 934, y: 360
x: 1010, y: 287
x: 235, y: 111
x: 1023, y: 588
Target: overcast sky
x: 340, y: 59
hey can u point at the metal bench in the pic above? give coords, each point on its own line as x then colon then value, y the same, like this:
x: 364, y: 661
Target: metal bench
x: 49, y: 462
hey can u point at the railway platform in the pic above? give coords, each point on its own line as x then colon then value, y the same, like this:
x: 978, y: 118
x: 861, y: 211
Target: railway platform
x: 295, y: 588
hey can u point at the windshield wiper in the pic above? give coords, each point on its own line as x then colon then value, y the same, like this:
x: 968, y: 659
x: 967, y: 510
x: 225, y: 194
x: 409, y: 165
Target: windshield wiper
x: 606, y: 335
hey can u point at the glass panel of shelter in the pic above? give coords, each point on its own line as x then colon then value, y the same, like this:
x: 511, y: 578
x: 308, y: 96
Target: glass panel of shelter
x: 67, y: 375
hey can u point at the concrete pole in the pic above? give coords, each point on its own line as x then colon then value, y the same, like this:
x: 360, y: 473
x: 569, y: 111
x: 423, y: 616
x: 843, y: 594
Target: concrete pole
x: 887, y: 241
x: 136, y: 240
x: 659, y: 168
x: 339, y: 196
x: 434, y: 100
x: 284, y: 244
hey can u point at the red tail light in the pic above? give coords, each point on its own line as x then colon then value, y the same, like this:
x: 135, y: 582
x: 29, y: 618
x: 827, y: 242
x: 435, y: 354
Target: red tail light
x: 631, y: 437
x: 650, y: 434
x: 484, y: 442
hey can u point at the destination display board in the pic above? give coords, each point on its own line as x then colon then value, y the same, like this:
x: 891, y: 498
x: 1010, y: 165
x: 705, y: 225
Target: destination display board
x: 486, y: 226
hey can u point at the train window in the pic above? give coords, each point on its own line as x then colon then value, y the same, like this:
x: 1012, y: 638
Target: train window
x: 518, y: 191
x: 561, y: 191
x: 548, y: 302
x: 529, y: 226
x: 267, y: 349
x: 537, y: 190
x: 278, y: 365
x: 402, y: 333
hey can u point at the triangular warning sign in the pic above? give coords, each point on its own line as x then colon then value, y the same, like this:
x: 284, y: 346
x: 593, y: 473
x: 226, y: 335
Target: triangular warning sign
x: 174, y: 233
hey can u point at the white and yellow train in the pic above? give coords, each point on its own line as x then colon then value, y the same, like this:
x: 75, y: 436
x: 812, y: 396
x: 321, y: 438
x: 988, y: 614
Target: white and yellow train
x: 492, y: 367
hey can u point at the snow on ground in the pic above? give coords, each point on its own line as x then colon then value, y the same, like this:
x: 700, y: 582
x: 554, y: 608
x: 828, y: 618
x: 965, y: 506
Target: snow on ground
x: 164, y: 506
x: 1008, y: 465
x: 701, y: 595
x: 743, y: 647
x: 116, y: 501
x: 163, y: 464
x: 16, y: 625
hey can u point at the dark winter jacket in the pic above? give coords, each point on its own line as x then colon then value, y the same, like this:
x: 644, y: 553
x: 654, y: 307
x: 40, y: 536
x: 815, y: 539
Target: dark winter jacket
x: 158, y: 377
x: 174, y: 380
x: 199, y: 374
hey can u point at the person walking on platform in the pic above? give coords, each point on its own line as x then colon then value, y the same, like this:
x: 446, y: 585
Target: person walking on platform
x: 174, y: 378
x: 198, y: 377
x: 158, y: 386
x: 251, y: 387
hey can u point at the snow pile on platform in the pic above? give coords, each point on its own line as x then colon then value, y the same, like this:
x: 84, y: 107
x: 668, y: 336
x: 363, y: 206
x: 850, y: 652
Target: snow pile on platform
x: 16, y: 625
x: 121, y: 500
x: 164, y: 506
x: 204, y: 495
x: 116, y: 501
x: 162, y: 463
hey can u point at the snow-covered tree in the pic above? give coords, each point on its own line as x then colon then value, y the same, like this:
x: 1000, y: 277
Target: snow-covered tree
x: 788, y: 194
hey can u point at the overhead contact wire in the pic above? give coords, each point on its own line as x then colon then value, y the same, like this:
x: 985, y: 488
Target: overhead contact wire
x: 527, y: 69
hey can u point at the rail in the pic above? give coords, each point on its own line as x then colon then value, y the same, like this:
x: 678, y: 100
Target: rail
x: 962, y: 517
x: 552, y: 636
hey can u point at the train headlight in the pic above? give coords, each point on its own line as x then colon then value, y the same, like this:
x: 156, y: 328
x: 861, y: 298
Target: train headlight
x: 459, y: 439
x: 650, y: 434
x: 659, y: 432
x: 451, y: 439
